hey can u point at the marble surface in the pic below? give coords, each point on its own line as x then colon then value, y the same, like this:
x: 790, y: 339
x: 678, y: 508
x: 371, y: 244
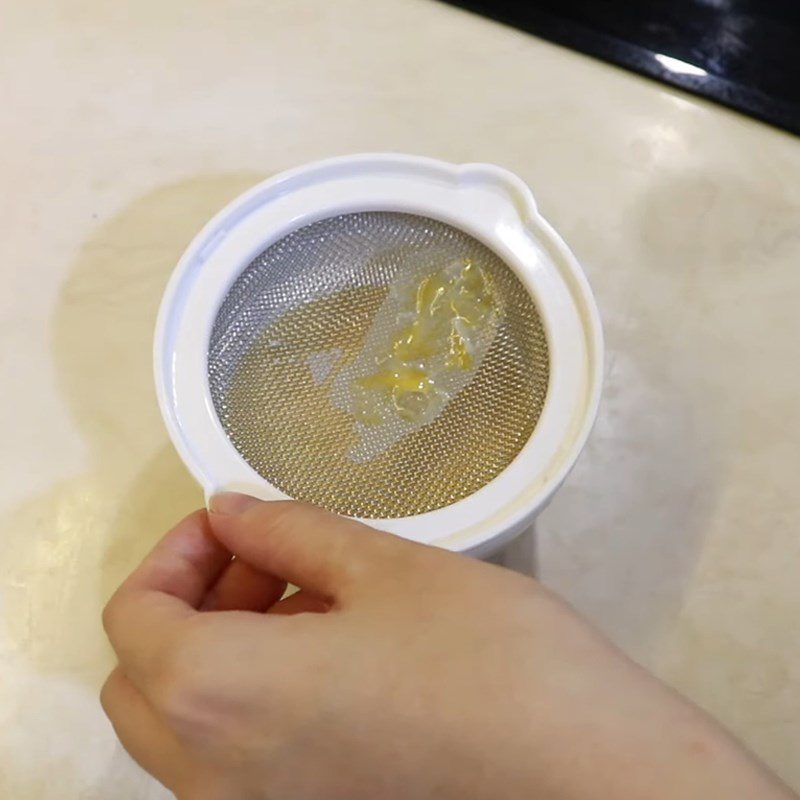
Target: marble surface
x: 125, y: 126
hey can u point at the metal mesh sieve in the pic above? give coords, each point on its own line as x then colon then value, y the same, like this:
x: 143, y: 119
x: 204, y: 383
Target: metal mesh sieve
x: 300, y: 312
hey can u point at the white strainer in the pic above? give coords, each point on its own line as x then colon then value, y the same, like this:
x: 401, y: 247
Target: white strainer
x: 282, y: 304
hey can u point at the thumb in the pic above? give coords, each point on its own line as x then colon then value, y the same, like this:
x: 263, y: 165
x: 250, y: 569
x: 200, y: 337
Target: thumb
x: 299, y: 543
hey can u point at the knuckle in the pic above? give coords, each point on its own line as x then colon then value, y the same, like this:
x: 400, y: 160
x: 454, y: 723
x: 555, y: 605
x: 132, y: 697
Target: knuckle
x: 106, y: 695
x: 174, y: 683
x: 406, y: 559
x: 110, y: 613
x: 351, y: 566
x: 286, y: 516
x: 200, y: 788
x: 182, y: 684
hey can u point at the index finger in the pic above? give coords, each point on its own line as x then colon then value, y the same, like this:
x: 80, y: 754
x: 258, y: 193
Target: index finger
x: 143, y: 616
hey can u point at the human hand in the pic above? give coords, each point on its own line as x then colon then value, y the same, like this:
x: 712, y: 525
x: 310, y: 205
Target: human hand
x: 397, y: 671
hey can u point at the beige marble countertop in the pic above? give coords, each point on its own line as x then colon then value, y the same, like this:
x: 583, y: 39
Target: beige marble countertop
x: 126, y: 125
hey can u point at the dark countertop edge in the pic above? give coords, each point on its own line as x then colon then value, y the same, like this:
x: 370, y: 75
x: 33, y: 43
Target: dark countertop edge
x: 643, y: 61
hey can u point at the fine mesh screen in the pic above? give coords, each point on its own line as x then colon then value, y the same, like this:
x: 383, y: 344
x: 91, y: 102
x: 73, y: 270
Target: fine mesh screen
x: 298, y: 316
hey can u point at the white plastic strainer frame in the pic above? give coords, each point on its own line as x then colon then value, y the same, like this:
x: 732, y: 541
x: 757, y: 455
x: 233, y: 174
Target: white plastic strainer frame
x: 485, y: 201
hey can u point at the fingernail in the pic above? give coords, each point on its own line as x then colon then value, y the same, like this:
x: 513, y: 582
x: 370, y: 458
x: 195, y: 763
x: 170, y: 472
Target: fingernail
x: 231, y: 503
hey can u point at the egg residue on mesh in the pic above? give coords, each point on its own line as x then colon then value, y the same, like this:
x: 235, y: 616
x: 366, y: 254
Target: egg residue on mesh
x: 424, y: 346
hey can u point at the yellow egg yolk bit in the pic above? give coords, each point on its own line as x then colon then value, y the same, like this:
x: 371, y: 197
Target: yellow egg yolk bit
x: 435, y: 337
